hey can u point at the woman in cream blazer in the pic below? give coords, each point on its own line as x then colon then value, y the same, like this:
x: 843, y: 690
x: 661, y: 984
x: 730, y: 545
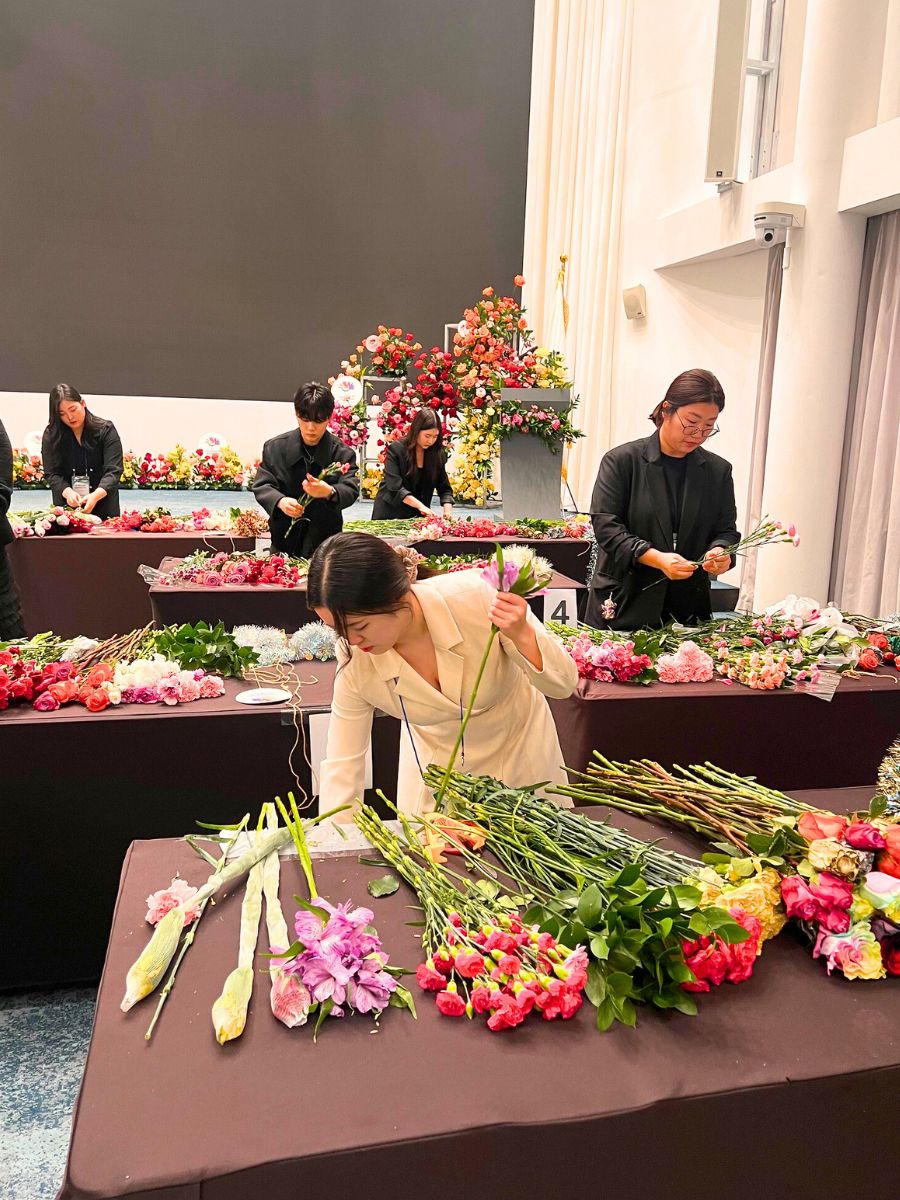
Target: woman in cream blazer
x: 362, y: 589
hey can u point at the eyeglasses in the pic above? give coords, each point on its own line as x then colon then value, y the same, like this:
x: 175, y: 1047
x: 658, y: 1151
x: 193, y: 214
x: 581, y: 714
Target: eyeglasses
x: 702, y: 431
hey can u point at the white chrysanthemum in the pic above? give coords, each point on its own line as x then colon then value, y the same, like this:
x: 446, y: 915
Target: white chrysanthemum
x: 528, y: 562
x: 313, y: 641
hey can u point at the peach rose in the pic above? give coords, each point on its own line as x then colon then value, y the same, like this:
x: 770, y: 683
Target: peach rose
x: 815, y: 826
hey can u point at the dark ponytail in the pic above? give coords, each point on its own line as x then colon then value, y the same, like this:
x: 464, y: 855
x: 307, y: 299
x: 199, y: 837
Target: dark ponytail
x: 690, y: 387
x: 354, y: 573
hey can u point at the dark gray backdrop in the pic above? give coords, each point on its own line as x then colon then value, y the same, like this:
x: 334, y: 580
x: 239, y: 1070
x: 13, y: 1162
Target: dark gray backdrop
x: 218, y: 197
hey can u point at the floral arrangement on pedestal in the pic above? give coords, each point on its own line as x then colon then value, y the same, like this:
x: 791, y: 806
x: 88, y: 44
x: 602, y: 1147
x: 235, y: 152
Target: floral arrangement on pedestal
x: 391, y: 350
x: 434, y: 382
x: 27, y: 470
x: 350, y: 423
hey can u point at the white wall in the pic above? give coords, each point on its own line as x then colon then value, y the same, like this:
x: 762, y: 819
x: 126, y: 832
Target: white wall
x: 157, y: 423
x: 702, y: 315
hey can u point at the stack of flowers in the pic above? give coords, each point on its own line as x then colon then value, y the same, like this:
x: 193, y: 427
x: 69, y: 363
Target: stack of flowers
x: 248, y: 522
x: 56, y: 684
x: 625, y: 901
x: 435, y: 528
x: 763, y: 670
x: 839, y: 876
x: 689, y: 664
x: 27, y: 470
x: 237, y: 569
x: 350, y: 424
x: 609, y: 661
x: 55, y: 520
x: 480, y: 960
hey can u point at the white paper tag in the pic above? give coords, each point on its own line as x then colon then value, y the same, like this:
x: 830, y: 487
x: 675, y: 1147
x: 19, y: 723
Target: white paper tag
x: 318, y: 740
x: 560, y: 605
x: 825, y: 687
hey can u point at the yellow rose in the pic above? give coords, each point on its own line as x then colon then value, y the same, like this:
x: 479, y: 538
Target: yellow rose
x: 828, y: 854
x: 866, y: 964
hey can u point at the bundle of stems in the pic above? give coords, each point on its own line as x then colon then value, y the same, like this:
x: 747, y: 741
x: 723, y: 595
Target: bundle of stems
x: 124, y: 646
x: 714, y: 803
x: 43, y: 648
x: 553, y: 846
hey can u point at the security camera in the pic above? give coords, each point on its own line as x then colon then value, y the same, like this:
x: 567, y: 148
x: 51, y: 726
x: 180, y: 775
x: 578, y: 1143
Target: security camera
x: 772, y: 222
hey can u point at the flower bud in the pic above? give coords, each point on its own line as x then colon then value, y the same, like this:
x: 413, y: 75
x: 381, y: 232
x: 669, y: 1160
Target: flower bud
x: 229, y: 1012
x: 146, y: 972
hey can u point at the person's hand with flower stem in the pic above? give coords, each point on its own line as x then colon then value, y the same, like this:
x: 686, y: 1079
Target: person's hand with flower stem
x: 90, y: 501
x: 317, y: 489
x: 716, y: 561
x: 509, y: 614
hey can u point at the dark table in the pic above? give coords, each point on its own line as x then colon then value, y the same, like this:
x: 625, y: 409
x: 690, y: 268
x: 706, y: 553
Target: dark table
x: 78, y: 787
x: 787, y: 738
x: 88, y: 583
x: 790, y: 1077
x: 263, y: 604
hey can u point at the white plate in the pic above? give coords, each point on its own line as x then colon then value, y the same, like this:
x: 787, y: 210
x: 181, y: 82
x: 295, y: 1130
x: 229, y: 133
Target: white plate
x: 263, y: 696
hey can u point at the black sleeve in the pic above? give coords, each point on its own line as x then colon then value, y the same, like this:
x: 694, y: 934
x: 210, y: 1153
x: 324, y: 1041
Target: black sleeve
x: 5, y: 471
x: 609, y: 505
x: 53, y: 466
x: 725, y: 532
x: 393, y: 489
x: 111, y: 445
x: 442, y: 483
x: 267, y: 487
x: 346, y: 487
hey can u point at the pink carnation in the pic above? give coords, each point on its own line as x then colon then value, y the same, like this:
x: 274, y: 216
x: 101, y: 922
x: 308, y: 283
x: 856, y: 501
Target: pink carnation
x: 689, y: 664
x: 163, y: 901
x: 211, y: 686
x: 188, y: 691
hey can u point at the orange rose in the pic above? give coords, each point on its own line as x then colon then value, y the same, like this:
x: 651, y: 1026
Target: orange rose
x: 814, y: 826
x: 102, y: 673
x: 64, y: 690
x: 94, y: 699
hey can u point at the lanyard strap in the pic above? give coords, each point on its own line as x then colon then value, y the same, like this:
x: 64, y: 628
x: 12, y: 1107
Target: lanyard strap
x: 412, y: 740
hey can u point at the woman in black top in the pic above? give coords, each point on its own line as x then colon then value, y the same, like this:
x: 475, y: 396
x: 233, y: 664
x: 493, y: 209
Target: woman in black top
x: 660, y: 504
x: 10, y: 614
x: 82, y: 456
x: 414, y: 468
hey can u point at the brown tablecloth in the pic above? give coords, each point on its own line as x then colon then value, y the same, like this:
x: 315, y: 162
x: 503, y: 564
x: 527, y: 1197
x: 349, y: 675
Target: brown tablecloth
x: 790, y: 1077
x: 78, y: 787
x: 285, y: 608
x: 787, y: 738
x: 88, y: 583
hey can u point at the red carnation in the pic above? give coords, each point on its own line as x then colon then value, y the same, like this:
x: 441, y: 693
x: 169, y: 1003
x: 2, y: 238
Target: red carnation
x: 450, y: 1004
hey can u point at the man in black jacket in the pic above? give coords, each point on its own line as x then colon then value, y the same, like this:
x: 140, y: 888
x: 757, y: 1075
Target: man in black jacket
x: 291, y: 466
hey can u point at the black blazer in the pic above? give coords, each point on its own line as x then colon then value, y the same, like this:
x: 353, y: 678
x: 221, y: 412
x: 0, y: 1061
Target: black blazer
x: 629, y: 512
x: 286, y: 461
x: 399, y: 482
x: 6, y: 533
x: 100, y: 451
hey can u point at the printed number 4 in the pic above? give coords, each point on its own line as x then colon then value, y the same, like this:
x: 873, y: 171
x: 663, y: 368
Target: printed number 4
x: 561, y: 613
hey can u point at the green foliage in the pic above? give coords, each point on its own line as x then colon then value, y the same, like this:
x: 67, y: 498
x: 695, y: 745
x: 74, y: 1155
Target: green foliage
x: 212, y: 648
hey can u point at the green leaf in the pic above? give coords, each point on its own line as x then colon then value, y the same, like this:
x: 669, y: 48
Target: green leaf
x: 714, y: 860
x: 295, y: 948
x: 599, y: 947
x: 590, y: 905
x: 606, y: 1015
x: 370, y: 862
x: 685, y: 1003
x: 619, y: 983
x: 320, y: 912
x: 628, y: 1013
x: 385, y: 886
x: 877, y: 806
x: 665, y: 927
x: 595, y: 987
x: 628, y: 875
x: 402, y: 997
x: 323, y: 1013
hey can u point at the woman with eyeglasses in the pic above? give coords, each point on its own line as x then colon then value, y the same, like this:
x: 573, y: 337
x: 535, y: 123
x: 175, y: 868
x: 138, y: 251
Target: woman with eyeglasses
x: 660, y: 505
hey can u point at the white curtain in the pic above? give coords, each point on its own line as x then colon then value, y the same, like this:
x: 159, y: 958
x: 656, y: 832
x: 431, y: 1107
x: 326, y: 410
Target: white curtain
x: 866, y: 566
x: 576, y: 148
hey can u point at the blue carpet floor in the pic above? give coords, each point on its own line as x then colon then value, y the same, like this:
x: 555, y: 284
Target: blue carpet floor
x: 43, y: 1043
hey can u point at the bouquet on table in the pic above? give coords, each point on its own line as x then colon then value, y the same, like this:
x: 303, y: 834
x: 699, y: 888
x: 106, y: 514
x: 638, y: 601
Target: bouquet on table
x: 205, y: 569
x: 51, y: 521
x: 839, y: 875
x: 312, y: 642
x: 27, y: 470
x: 160, y: 520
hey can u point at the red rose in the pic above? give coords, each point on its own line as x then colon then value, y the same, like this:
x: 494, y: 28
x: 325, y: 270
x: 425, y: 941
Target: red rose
x: 94, y: 699
x: 869, y: 659
x: 707, y: 962
x: 889, y: 863
x: 100, y: 674
x: 450, y: 1004
x: 46, y: 703
x: 879, y: 641
x: 890, y: 954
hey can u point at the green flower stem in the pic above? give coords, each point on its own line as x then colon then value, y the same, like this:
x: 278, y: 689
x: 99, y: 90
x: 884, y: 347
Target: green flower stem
x: 465, y: 721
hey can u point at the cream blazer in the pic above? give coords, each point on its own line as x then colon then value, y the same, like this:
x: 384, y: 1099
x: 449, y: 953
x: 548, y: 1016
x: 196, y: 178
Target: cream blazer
x: 510, y: 736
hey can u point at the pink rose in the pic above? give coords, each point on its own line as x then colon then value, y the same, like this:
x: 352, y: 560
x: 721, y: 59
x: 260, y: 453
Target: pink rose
x: 799, y: 901
x: 372, y: 343
x: 832, y: 892
x: 46, y: 702
x: 863, y: 836
x: 212, y: 579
